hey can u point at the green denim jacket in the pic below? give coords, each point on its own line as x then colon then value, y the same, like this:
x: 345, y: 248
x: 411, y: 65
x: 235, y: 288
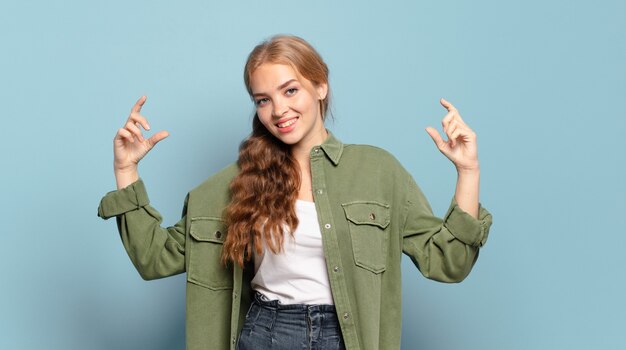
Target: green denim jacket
x: 370, y: 211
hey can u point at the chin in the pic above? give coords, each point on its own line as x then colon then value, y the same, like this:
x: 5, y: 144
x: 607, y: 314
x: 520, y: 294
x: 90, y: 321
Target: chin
x: 289, y: 139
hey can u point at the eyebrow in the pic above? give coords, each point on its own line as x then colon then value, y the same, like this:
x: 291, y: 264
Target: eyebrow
x: 282, y: 86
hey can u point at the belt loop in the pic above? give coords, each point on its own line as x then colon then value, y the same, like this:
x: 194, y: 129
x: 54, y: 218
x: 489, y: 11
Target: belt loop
x: 274, y: 312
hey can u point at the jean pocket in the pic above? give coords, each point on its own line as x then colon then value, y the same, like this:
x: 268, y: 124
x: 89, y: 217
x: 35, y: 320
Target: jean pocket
x: 368, y: 222
x: 205, y: 251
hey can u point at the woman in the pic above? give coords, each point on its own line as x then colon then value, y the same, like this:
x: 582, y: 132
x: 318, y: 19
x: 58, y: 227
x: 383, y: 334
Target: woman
x: 299, y: 244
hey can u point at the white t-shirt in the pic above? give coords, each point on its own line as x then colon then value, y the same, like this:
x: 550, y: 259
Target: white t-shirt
x: 298, y: 274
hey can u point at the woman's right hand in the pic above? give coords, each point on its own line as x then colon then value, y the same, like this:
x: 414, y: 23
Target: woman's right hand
x: 129, y: 145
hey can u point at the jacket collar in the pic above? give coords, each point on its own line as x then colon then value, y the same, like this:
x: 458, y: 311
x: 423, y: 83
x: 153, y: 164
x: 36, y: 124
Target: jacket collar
x: 333, y: 148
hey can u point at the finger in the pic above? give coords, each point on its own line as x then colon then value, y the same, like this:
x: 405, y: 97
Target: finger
x: 454, y: 136
x: 130, y: 126
x: 458, y: 117
x: 452, y: 116
x: 447, y: 105
x: 156, y: 138
x: 456, y: 123
x: 137, y: 107
x: 434, y: 134
x: 138, y: 118
x: 452, y: 128
x: 445, y: 122
x: 463, y: 134
x: 451, y: 108
x: 124, y: 134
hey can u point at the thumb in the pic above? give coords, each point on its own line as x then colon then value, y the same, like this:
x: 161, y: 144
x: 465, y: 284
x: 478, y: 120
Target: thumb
x: 434, y: 134
x: 157, y: 137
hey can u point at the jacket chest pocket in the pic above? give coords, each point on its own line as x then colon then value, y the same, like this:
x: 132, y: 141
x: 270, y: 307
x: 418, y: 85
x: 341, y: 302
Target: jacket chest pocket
x: 368, y: 222
x: 205, y: 251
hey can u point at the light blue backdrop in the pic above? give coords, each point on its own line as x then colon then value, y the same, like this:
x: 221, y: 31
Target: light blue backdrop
x: 543, y: 83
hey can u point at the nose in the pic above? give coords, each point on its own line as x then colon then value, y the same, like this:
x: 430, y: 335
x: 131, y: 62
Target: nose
x: 279, y: 108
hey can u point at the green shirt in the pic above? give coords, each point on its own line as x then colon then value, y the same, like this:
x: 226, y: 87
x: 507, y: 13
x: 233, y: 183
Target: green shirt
x: 370, y: 211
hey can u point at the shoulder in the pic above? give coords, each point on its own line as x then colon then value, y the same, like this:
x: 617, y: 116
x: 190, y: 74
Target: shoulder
x: 373, y: 160
x: 373, y: 154
x: 219, y: 179
x: 215, y: 190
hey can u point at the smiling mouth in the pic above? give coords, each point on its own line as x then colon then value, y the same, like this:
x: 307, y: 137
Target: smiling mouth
x: 287, y: 123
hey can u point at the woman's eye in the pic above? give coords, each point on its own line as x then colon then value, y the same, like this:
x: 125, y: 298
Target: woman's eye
x: 291, y: 91
x: 261, y: 101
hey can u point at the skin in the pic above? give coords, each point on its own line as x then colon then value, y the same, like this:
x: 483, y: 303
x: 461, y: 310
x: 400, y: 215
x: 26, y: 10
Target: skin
x: 129, y: 145
x: 281, y: 94
x: 462, y: 151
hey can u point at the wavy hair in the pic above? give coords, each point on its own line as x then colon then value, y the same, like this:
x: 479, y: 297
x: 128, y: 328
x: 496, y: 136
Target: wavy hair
x: 264, y: 193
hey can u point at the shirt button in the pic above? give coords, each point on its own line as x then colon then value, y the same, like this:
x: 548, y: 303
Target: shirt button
x: 316, y: 150
x: 234, y: 340
x: 320, y: 191
x: 336, y: 268
x: 372, y: 216
x: 346, y: 315
x: 218, y: 234
x: 327, y: 226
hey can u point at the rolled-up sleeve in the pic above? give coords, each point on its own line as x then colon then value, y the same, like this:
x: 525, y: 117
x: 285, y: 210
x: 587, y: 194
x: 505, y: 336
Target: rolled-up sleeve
x: 131, y: 197
x: 443, y: 249
x: 155, y: 251
x: 465, y: 227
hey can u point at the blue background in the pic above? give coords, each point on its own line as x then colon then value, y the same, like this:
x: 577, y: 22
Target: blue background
x: 543, y: 83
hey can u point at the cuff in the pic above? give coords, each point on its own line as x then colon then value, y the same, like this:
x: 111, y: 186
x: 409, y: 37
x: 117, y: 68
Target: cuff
x: 465, y: 227
x: 131, y: 197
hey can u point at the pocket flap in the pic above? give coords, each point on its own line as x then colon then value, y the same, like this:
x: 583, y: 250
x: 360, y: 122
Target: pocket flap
x: 207, y: 229
x: 367, y: 213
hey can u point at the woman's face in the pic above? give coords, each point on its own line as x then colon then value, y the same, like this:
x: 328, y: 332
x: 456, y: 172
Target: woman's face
x: 288, y: 105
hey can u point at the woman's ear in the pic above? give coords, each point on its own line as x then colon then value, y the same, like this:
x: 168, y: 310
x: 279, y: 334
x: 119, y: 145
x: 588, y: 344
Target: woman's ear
x: 322, y: 91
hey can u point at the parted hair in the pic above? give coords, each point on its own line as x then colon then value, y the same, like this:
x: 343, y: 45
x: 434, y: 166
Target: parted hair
x: 264, y: 193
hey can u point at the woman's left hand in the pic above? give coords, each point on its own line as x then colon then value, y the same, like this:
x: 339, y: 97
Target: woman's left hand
x: 461, y: 145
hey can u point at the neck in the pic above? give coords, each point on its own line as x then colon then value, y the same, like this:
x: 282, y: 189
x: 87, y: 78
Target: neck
x: 301, y: 151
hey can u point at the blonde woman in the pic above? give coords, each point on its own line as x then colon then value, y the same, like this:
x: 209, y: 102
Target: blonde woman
x: 298, y: 244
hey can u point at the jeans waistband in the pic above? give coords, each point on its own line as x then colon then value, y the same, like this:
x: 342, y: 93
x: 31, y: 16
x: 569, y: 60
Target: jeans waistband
x: 262, y: 300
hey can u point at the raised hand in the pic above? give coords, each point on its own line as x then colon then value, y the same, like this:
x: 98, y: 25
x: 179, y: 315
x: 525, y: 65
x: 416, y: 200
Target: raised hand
x: 129, y: 145
x: 461, y: 145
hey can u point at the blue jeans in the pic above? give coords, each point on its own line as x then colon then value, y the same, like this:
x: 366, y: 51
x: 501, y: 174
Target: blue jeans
x: 271, y: 325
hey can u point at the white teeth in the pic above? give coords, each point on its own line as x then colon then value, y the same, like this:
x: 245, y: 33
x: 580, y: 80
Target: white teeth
x: 287, y: 123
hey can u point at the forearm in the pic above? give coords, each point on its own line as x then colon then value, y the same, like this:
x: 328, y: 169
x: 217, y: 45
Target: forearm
x: 123, y: 178
x: 467, y: 190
